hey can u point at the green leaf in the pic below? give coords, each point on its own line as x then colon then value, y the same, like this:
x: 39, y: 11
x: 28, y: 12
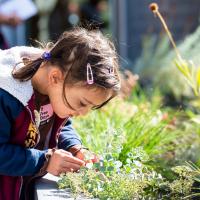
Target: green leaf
x: 198, y: 78
x: 183, y: 68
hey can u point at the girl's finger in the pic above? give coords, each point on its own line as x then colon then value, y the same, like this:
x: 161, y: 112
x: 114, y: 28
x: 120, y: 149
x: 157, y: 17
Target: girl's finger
x: 73, y: 160
x: 66, y: 169
x: 69, y: 165
x: 95, y: 159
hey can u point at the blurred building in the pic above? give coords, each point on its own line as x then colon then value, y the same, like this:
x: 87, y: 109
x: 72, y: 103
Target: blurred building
x: 131, y: 19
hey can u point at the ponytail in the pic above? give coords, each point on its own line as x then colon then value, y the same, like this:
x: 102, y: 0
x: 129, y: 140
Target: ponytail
x: 26, y: 72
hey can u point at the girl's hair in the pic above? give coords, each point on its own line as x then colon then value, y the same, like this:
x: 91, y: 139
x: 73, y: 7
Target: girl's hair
x: 73, y: 51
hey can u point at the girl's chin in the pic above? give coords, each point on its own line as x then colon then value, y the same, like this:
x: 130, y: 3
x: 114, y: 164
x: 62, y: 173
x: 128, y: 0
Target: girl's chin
x: 64, y: 116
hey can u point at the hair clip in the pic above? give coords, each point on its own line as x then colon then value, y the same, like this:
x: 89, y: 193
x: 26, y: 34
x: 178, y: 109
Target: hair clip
x: 90, y: 79
x: 111, y: 69
x: 46, y: 56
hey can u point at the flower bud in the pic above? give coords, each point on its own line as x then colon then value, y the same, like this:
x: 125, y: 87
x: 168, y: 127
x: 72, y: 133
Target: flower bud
x: 153, y: 7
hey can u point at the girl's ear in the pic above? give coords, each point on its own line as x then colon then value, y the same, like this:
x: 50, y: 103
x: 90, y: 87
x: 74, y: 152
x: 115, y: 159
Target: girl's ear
x: 55, y: 76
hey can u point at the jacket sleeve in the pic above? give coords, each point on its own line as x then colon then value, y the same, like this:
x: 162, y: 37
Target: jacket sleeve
x: 68, y: 137
x: 15, y: 160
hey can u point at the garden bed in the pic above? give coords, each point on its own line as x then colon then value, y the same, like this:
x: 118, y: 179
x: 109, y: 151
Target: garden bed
x: 46, y: 188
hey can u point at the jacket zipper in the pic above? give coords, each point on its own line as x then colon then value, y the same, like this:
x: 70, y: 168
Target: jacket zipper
x: 20, y: 189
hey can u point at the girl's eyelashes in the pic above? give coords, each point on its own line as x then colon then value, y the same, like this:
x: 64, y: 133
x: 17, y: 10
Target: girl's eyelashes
x: 95, y: 107
x: 82, y: 104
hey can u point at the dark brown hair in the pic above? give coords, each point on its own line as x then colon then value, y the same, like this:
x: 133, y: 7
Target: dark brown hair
x: 72, y: 52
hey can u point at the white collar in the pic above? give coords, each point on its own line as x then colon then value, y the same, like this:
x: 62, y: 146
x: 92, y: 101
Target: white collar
x: 8, y: 59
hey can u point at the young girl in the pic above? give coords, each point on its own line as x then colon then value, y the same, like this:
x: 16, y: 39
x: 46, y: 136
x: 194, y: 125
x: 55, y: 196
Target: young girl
x: 39, y: 91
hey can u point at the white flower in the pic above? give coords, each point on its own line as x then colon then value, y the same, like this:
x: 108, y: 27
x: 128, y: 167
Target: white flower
x: 89, y: 165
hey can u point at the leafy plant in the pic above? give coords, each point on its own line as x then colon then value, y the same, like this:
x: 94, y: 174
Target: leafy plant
x: 139, y: 142
x: 187, y: 68
x: 110, y: 179
x: 191, y: 74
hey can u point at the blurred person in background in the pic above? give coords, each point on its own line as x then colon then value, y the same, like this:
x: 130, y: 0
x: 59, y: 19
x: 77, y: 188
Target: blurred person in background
x: 39, y: 24
x: 53, y: 19
x: 10, y: 20
x: 63, y: 17
x: 12, y: 29
x: 60, y: 15
x: 14, y: 14
x: 91, y: 14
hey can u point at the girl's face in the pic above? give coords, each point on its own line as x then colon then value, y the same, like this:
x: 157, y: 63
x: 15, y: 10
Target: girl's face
x: 79, y: 99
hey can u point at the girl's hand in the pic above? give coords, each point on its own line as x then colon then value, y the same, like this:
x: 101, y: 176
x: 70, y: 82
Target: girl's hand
x: 87, y: 156
x: 12, y: 20
x: 84, y: 154
x: 62, y: 161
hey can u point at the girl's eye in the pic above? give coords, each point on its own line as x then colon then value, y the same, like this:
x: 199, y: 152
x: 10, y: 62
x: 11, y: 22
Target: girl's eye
x: 82, y: 104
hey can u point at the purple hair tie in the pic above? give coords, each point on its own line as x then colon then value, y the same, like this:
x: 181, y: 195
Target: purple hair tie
x: 46, y: 56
